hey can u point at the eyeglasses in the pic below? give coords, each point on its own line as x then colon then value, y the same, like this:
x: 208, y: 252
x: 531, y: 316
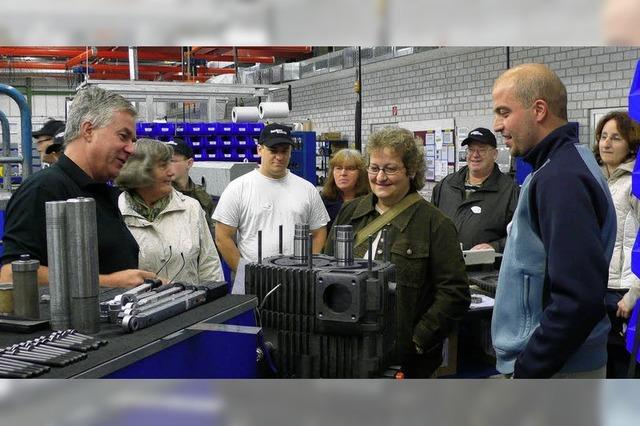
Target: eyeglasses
x: 387, y: 170
x: 481, y: 151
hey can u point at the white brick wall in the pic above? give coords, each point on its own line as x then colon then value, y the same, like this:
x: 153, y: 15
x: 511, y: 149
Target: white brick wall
x: 456, y: 83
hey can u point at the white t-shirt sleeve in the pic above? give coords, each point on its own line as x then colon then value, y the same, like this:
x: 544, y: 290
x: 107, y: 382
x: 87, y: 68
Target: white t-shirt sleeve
x: 319, y: 216
x: 228, y: 209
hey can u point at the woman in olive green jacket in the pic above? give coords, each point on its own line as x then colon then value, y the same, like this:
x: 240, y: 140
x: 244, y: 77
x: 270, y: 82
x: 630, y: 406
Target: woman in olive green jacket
x: 432, y: 291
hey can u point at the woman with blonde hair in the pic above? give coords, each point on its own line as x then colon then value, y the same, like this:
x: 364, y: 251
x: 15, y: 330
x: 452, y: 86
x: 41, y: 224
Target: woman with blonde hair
x: 346, y: 180
x: 170, y: 227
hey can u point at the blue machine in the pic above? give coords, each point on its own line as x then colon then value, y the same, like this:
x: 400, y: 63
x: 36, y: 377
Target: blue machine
x: 633, y: 338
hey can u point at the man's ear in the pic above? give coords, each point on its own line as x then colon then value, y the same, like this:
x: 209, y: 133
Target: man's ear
x: 86, y: 130
x: 189, y: 163
x: 541, y: 110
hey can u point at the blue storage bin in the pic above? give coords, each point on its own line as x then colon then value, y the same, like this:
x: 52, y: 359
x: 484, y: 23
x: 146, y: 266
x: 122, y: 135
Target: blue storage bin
x: 256, y: 128
x: 244, y: 141
x: 226, y: 128
x: 226, y: 153
x: 210, y: 154
x: 194, y: 128
x: 194, y: 142
x: 226, y: 141
x: 165, y: 128
x: 198, y: 155
x: 163, y: 138
x: 242, y: 128
x: 144, y: 129
x: 210, y: 141
x: 180, y: 129
x: 211, y: 128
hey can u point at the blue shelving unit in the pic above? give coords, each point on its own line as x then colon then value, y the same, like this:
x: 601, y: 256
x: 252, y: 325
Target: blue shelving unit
x: 237, y: 142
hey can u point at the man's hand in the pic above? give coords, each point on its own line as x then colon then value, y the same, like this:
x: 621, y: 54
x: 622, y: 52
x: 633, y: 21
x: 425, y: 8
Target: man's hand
x: 623, y: 310
x: 127, y: 278
x: 482, y: 246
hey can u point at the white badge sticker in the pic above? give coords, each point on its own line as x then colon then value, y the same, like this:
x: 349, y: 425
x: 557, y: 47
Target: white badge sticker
x: 476, y: 209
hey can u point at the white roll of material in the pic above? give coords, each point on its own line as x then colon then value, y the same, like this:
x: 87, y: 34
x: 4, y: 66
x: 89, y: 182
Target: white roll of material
x: 273, y: 110
x: 245, y: 114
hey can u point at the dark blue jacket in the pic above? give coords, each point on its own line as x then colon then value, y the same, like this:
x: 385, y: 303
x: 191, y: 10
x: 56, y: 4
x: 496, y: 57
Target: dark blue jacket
x: 549, y: 313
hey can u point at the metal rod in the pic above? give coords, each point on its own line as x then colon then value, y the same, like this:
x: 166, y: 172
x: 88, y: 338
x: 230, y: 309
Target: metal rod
x: 310, y: 250
x: 57, y: 255
x: 259, y: 247
x: 370, y: 254
x: 83, y: 264
x: 26, y: 299
x: 280, y: 239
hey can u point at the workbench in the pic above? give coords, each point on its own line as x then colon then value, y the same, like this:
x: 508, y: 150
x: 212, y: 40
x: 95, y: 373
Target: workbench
x: 214, y: 340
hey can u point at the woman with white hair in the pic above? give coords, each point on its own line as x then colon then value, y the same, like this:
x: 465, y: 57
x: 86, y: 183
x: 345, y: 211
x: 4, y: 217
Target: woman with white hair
x: 170, y: 227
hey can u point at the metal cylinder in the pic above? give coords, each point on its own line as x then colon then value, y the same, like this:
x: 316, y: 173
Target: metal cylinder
x: 300, y: 242
x: 82, y: 264
x: 26, y: 300
x: 343, y: 245
x: 57, y: 255
x: 6, y: 298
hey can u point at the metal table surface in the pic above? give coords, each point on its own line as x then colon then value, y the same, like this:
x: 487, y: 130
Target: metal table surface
x: 126, y: 348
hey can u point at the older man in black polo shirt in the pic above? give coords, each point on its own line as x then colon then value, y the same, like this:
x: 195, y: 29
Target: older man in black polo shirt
x: 99, y: 138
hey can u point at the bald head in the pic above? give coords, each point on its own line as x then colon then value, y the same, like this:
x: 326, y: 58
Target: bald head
x: 532, y: 82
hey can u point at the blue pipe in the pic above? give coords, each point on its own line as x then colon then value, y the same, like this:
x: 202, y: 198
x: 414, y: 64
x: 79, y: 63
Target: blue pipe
x: 25, y: 126
x: 6, y: 149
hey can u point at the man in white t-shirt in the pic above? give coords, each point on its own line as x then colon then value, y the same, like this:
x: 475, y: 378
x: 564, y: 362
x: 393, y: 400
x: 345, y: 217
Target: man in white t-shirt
x: 264, y: 199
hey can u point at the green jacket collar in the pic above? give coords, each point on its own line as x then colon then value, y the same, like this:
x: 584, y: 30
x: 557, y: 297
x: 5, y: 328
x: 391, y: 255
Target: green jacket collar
x: 367, y: 205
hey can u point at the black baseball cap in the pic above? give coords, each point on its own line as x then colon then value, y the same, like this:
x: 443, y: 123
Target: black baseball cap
x: 50, y: 128
x: 481, y: 135
x: 181, y: 147
x: 275, y: 134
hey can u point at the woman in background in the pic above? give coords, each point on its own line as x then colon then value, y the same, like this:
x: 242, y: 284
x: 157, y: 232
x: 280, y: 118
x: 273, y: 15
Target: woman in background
x: 617, y: 140
x: 170, y: 227
x: 346, y: 180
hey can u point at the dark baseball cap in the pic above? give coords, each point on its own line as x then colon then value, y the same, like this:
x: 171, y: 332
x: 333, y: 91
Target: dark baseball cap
x: 50, y: 128
x: 275, y: 134
x: 181, y: 147
x: 480, y: 135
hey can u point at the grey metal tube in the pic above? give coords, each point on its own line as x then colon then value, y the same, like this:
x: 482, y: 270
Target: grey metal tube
x: 25, y: 127
x: 26, y: 300
x: 57, y: 255
x: 300, y: 241
x: 6, y: 150
x: 133, y: 63
x: 82, y: 249
x: 343, y: 246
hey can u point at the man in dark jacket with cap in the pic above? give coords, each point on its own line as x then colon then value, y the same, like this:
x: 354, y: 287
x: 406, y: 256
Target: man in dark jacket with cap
x: 479, y: 198
x: 182, y: 161
x: 44, y: 138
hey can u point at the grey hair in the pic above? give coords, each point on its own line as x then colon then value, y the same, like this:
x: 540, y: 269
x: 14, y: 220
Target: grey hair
x: 96, y: 106
x: 137, y: 172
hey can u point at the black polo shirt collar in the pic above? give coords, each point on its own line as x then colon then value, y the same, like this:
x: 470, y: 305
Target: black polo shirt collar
x: 76, y: 173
